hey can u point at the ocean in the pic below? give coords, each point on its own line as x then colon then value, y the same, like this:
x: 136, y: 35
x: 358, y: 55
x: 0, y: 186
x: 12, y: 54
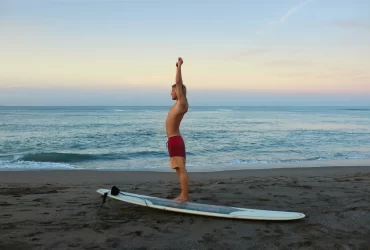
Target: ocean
x: 134, y: 138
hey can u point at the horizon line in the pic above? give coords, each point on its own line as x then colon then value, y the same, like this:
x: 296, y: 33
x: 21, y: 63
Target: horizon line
x: 277, y: 105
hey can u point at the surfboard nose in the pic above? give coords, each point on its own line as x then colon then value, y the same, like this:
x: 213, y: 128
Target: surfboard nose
x: 267, y: 215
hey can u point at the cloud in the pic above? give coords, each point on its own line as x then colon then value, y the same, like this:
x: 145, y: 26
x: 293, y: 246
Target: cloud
x: 11, y: 86
x: 339, y: 73
x: 247, y: 53
x: 287, y: 63
x: 253, y: 52
x: 351, y: 24
x: 291, y: 12
x: 87, y: 1
x: 10, y: 23
x: 286, y: 15
x: 11, y: 27
x: 294, y: 74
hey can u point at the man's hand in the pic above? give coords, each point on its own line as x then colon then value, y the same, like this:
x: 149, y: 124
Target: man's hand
x: 179, y: 62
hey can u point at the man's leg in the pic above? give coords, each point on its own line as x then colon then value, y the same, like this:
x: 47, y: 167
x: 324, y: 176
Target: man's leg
x: 179, y: 163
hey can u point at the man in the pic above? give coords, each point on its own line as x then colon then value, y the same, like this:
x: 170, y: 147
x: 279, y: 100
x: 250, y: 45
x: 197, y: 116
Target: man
x: 175, y: 143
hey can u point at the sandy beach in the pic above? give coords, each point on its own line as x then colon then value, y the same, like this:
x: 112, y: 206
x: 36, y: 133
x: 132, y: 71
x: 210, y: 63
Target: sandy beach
x: 58, y: 210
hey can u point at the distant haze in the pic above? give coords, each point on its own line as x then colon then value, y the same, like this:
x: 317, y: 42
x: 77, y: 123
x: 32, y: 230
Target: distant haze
x: 161, y: 97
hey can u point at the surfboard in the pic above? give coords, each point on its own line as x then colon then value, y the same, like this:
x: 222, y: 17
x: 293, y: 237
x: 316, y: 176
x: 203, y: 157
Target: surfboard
x: 202, y: 209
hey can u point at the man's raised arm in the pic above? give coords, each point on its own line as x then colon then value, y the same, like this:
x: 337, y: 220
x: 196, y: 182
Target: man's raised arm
x: 179, y: 85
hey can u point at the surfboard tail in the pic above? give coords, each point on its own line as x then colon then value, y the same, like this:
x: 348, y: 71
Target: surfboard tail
x: 114, y: 191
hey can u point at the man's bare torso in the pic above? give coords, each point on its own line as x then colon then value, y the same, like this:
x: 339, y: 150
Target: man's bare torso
x: 174, y: 118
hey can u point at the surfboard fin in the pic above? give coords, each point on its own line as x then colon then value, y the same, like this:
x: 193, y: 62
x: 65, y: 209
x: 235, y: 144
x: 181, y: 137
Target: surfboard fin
x: 115, y: 191
x: 104, y: 199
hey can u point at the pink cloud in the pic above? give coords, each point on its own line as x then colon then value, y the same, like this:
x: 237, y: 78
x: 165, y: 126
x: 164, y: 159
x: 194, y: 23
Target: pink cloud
x: 288, y: 63
x: 351, y: 24
x: 247, y: 53
x: 253, y: 52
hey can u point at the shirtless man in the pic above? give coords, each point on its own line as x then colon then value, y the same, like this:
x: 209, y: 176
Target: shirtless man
x: 175, y: 143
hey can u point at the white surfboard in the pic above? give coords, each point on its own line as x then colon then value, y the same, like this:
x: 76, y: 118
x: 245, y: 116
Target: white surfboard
x: 202, y: 209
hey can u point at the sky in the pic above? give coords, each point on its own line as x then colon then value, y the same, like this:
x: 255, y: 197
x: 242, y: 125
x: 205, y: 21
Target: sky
x: 235, y: 52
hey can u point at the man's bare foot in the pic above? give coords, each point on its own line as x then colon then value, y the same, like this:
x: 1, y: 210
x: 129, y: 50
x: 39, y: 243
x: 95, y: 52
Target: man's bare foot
x: 181, y: 198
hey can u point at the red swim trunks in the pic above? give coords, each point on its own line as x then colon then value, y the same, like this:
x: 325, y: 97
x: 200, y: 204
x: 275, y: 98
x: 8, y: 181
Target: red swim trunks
x: 176, y: 146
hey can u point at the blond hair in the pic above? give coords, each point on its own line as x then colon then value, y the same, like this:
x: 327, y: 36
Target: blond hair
x: 183, y: 89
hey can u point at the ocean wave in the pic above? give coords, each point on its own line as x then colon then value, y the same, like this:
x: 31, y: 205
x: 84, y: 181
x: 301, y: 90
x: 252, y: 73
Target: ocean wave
x: 225, y: 110
x: 73, y: 157
x: 356, y: 109
x: 248, y: 162
x: 57, y: 157
x: 119, y: 165
x: 147, y: 154
x: 29, y: 165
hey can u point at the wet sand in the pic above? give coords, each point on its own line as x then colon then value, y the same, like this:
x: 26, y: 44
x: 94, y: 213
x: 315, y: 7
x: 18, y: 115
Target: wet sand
x: 58, y: 210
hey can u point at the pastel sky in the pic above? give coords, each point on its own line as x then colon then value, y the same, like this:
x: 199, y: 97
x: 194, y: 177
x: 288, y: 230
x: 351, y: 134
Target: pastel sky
x: 123, y: 52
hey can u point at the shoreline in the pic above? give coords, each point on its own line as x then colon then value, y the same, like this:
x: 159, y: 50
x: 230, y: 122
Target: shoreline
x: 58, y: 209
x: 218, y: 167
x: 117, y: 176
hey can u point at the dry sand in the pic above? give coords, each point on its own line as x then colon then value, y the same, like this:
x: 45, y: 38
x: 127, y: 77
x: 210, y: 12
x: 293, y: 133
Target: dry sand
x: 58, y: 210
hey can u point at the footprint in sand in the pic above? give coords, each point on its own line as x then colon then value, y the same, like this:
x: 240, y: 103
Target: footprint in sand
x: 135, y: 233
x: 113, y: 242
x: 263, y: 199
x: 4, y: 204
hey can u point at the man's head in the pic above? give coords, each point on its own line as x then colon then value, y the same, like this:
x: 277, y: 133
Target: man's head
x: 174, y: 94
